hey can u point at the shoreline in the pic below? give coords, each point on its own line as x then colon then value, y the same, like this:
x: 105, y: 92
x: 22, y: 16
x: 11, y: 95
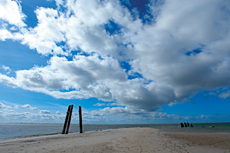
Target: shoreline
x: 52, y: 134
x: 163, y: 131
x: 121, y: 140
x: 34, y: 129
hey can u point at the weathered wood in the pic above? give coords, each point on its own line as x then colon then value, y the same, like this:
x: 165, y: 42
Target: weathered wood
x: 69, y: 119
x: 80, y: 120
x: 66, y: 120
x: 188, y: 124
x: 185, y: 124
x: 181, y: 124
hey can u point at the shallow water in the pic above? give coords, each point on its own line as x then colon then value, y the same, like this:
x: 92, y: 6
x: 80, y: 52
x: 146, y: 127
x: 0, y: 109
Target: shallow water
x: 198, y: 128
x: 14, y: 130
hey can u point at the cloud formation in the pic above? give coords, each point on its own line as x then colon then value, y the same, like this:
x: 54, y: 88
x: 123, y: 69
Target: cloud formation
x: 30, y: 117
x: 6, y: 68
x: 3, y: 106
x: 29, y: 107
x: 182, y: 50
x: 106, y: 115
x: 99, y: 104
x: 45, y: 112
x: 11, y: 12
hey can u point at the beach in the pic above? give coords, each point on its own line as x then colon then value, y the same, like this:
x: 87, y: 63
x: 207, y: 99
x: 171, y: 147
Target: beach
x: 133, y: 140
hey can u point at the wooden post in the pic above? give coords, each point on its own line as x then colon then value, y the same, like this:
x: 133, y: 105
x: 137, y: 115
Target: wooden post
x: 185, y: 125
x: 66, y: 120
x: 69, y: 119
x: 80, y: 119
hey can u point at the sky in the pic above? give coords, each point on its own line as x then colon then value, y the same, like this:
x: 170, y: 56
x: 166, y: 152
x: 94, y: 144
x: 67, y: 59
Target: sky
x: 123, y: 61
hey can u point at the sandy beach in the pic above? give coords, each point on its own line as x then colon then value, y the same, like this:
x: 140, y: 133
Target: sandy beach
x: 133, y: 140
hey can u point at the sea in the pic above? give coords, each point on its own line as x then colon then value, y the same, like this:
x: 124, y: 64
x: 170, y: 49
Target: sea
x: 20, y: 130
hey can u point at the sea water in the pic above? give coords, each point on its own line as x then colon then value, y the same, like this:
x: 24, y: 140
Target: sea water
x: 18, y: 130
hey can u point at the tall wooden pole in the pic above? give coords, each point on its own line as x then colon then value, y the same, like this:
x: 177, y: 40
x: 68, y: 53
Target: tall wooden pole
x: 80, y: 119
x: 66, y: 120
x: 69, y: 119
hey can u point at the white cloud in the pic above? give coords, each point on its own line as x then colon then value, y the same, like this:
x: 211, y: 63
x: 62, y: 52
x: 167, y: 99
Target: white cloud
x: 132, y: 114
x: 6, y: 68
x: 162, y: 51
x: 30, y: 107
x: 92, y: 77
x: 224, y: 95
x: 2, y: 106
x: 46, y: 34
x: 81, y: 73
x: 5, y: 34
x: 45, y: 112
x: 108, y: 115
x: 8, y: 80
x: 99, y: 104
x: 113, y: 104
x: 11, y: 12
x: 31, y: 117
x: 86, y: 23
x: 16, y: 107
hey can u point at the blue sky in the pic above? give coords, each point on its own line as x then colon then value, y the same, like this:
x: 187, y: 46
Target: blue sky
x: 127, y: 61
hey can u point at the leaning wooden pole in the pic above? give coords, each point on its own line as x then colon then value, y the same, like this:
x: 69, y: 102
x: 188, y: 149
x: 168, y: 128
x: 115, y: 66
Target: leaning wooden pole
x: 69, y: 119
x: 80, y: 120
x: 66, y: 120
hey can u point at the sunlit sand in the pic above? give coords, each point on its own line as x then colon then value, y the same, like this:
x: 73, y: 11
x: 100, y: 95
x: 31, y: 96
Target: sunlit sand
x: 133, y: 140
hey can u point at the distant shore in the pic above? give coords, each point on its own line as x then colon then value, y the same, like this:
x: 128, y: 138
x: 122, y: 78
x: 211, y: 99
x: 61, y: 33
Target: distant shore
x: 133, y: 140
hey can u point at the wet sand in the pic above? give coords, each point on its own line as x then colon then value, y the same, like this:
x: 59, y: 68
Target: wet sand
x: 130, y: 140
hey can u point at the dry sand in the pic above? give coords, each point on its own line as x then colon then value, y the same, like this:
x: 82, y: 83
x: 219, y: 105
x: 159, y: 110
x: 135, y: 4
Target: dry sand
x: 131, y: 140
